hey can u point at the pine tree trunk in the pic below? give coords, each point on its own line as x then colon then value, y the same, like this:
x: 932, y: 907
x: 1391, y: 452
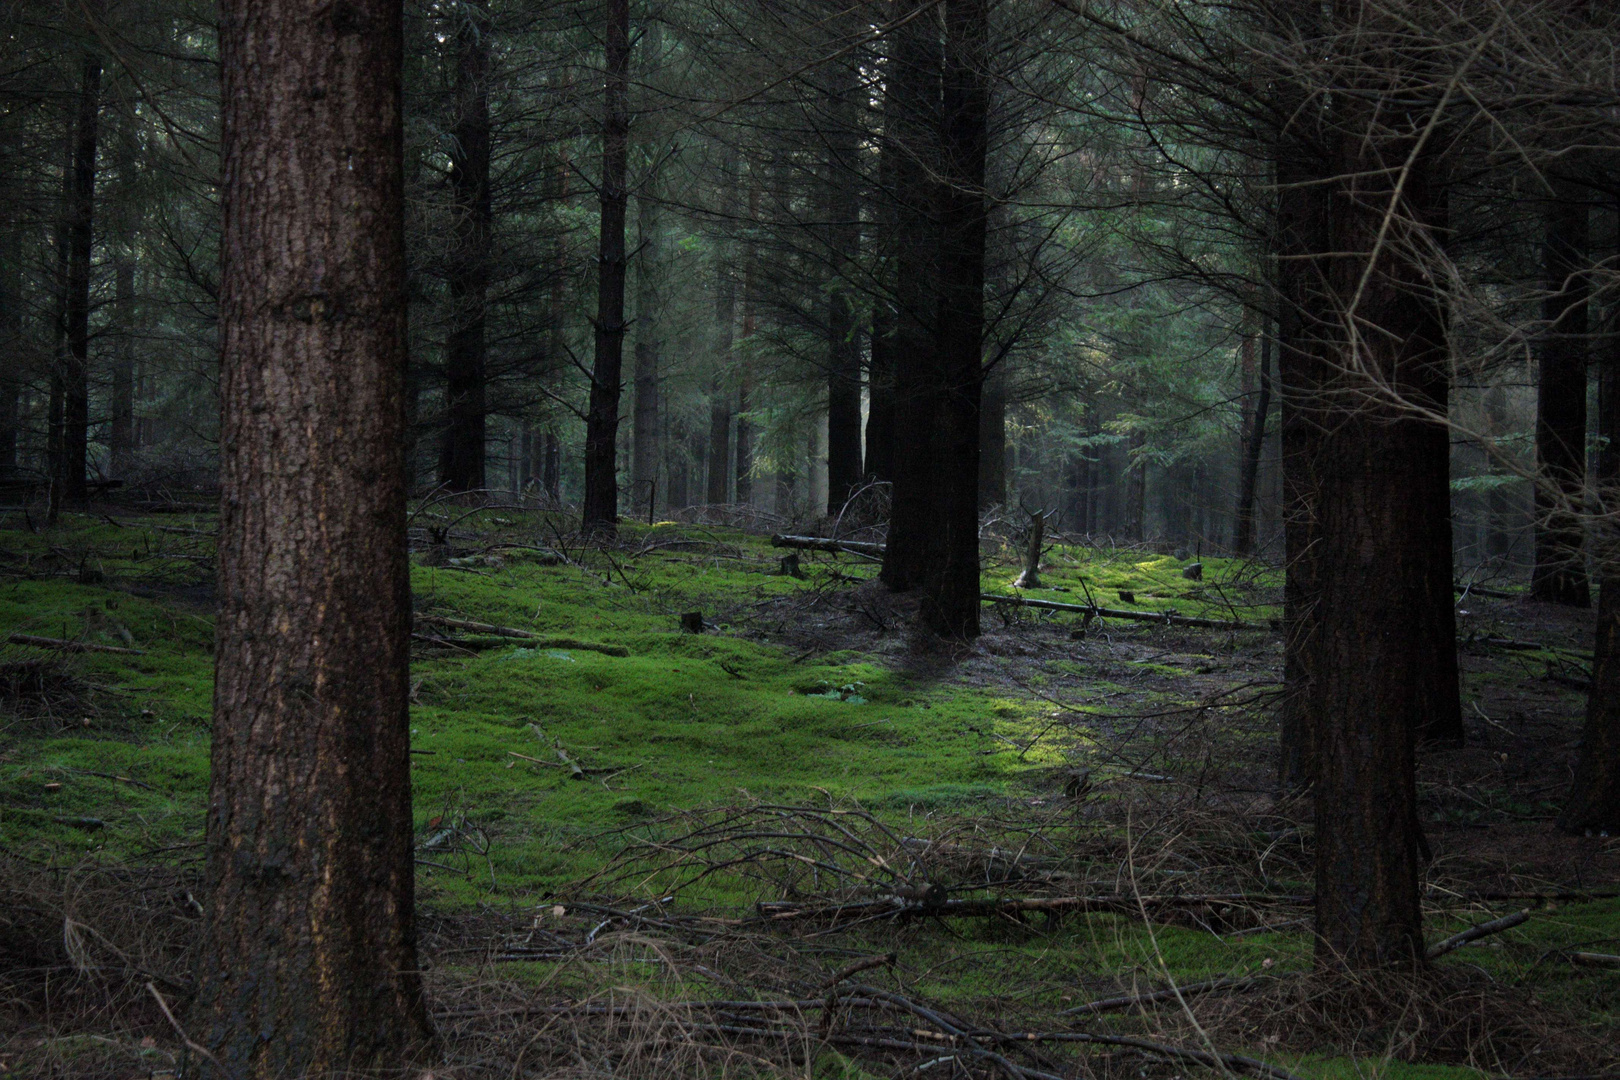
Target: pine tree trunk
x: 11, y: 322
x: 1254, y: 441
x: 121, y: 425
x: 879, y: 457
x: 915, y: 548
x: 993, y: 439
x: 81, y: 238
x: 645, y: 451
x: 462, y: 464
x: 1593, y: 803
x: 601, y: 512
x: 1560, y: 571
x: 309, y: 963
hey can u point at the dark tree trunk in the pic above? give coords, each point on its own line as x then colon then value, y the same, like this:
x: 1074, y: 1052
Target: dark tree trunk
x: 645, y: 451
x: 744, y: 481
x: 912, y: 114
x: 10, y: 350
x: 121, y: 426
x: 461, y: 450
x: 993, y: 439
x: 880, y: 389
x: 936, y: 504
x: 551, y: 464
x: 1135, y: 481
x: 879, y: 461
x: 309, y: 964
x: 720, y: 393
x: 745, y: 384
x: 1375, y: 509
x: 1254, y: 441
x: 1593, y: 804
x: 602, y: 419
x: 81, y: 238
x: 1560, y: 572
x: 843, y: 402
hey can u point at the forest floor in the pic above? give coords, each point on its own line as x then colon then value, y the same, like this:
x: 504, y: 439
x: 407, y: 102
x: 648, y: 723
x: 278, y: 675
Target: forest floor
x: 808, y: 841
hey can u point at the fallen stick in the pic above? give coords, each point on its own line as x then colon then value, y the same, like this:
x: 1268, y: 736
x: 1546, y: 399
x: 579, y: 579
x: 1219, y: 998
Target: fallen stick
x: 70, y: 646
x: 475, y: 644
x: 1091, y: 611
x: 1594, y: 959
x: 822, y: 543
x: 1495, y: 594
x: 1474, y: 933
x: 896, y: 906
x: 477, y: 627
x: 1172, y: 993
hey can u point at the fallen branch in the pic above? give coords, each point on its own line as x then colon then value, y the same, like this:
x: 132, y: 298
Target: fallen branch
x: 898, y: 906
x: 822, y: 543
x: 1173, y: 993
x: 1233, y: 1062
x: 1091, y: 612
x: 531, y: 641
x: 1594, y: 959
x: 476, y: 627
x: 1474, y: 933
x: 70, y: 646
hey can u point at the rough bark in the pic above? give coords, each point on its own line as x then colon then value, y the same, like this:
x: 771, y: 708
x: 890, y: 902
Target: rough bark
x: 121, y: 411
x: 601, y: 511
x: 309, y: 963
x: 80, y: 240
x: 843, y: 211
x: 1374, y: 507
x: 462, y: 465
x: 1560, y: 571
x: 720, y: 398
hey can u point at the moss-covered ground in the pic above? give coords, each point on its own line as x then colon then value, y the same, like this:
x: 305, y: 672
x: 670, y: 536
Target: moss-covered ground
x: 1119, y: 757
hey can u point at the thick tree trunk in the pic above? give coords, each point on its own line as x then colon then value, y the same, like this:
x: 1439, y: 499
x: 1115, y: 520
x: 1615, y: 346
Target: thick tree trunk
x: 602, y: 420
x: 1375, y: 509
x: 461, y: 450
x: 841, y: 187
x: 1560, y: 571
x: 81, y: 238
x: 1254, y: 441
x: 912, y: 121
x: 936, y: 503
x: 1593, y: 804
x: 879, y: 463
x: 309, y: 964
x: 645, y: 451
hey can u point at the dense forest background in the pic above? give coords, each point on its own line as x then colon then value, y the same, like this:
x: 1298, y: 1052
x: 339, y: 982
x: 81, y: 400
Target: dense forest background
x: 1131, y: 338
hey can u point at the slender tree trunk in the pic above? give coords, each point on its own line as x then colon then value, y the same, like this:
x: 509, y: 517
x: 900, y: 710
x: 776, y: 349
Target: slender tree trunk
x: 1135, y: 481
x: 551, y: 467
x: 60, y: 361
x: 993, y: 438
x: 602, y: 420
x: 1560, y: 571
x: 10, y: 348
x: 1254, y: 441
x: 462, y: 464
x: 309, y: 963
x: 880, y: 388
x: 721, y: 400
x: 843, y: 208
x: 745, y: 383
x: 646, y: 450
x: 81, y: 238
x: 121, y: 428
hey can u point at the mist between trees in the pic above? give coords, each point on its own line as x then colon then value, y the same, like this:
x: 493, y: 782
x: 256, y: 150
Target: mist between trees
x: 1328, y: 284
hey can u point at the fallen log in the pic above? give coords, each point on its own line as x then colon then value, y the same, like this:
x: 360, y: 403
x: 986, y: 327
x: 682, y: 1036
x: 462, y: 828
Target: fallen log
x: 903, y: 907
x: 823, y: 543
x: 70, y: 646
x: 1091, y: 612
x: 1595, y: 959
x: 477, y: 627
x: 477, y: 644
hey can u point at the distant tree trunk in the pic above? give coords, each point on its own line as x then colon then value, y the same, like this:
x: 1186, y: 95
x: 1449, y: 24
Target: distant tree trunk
x: 911, y: 115
x: 879, y: 463
x: 462, y: 449
x: 121, y: 427
x: 1560, y: 572
x: 1593, y: 803
x: 1254, y: 441
x: 10, y: 345
x: 936, y: 503
x: 745, y: 383
x: 602, y: 420
x: 993, y: 438
x: 721, y: 400
x: 309, y: 963
x: 551, y: 464
x: 1135, y: 481
x: 1375, y: 508
x: 646, y: 451
x: 81, y: 238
